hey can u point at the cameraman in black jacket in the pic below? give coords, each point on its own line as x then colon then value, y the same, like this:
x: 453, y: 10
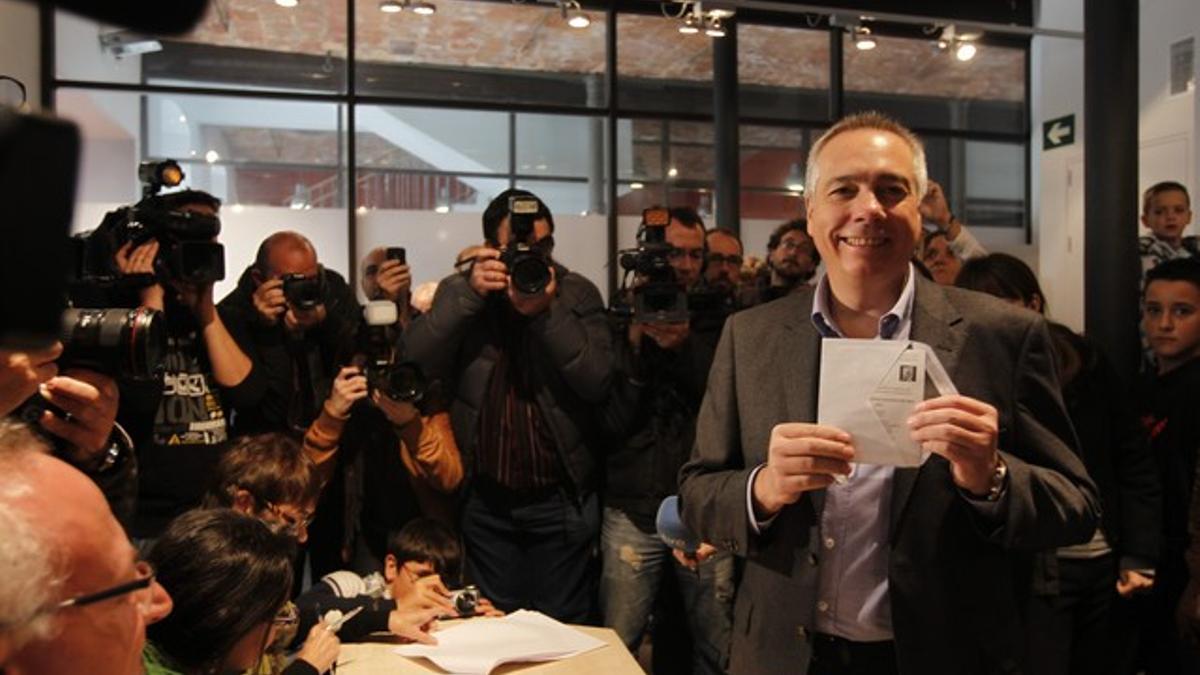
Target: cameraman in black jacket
x: 526, y: 367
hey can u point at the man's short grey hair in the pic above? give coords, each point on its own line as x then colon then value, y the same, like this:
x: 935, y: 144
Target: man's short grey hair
x: 869, y: 120
x: 31, y: 575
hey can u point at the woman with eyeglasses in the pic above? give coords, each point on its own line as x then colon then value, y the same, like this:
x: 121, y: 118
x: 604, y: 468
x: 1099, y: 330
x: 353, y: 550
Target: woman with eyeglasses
x: 230, y: 577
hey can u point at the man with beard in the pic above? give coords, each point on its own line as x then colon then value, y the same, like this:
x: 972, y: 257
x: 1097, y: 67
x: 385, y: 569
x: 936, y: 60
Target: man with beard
x: 792, y: 260
x: 723, y: 267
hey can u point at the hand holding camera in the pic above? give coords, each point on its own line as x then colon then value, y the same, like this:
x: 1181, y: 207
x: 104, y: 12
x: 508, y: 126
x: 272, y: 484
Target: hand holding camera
x: 349, y: 387
x: 488, y: 274
x: 139, y: 260
x: 666, y: 335
x: 269, y: 301
x: 88, y: 401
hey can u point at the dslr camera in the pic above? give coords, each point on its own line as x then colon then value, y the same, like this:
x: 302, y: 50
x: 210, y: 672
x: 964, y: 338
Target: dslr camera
x: 399, y: 381
x: 304, y: 293
x: 187, y: 252
x: 465, y: 600
x: 528, y: 263
x: 658, y: 296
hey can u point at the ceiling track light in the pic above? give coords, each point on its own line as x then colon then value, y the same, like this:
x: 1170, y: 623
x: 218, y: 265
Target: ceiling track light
x: 696, y: 18
x: 863, y: 40
x: 960, y: 41
x: 421, y: 7
x: 573, y: 14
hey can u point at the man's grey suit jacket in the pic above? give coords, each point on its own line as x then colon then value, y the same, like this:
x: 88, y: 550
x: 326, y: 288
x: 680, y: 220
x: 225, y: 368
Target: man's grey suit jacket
x: 957, y: 580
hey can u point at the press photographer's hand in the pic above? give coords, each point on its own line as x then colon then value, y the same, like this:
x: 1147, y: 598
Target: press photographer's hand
x: 349, y: 387
x: 269, y: 301
x: 488, y: 273
x: 89, y: 401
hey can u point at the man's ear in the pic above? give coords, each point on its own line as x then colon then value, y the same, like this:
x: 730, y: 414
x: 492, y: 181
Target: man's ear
x: 390, y: 568
x: 257, y: 275
x: 243, y: 502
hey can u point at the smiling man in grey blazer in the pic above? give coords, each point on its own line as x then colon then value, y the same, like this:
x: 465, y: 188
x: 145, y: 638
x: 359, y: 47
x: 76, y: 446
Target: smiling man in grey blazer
x: 883, y: 570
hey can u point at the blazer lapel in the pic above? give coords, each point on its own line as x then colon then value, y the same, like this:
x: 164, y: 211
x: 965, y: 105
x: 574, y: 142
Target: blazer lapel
x: 938, y: 324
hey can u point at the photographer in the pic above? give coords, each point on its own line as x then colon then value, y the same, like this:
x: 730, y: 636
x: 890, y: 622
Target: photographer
x: 386, y: 276
x: 382, y: 464
x: 662, y: 367
x: 293, y: 318
x: 527, y: 345
x: 179, y: 425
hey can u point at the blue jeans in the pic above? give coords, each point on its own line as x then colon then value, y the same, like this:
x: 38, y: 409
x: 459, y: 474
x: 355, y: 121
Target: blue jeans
x: 634, y: 562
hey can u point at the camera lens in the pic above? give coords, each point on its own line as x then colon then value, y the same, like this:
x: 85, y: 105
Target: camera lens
x: 530, y: 273
x: 120, y: 342
x: 405, y: 383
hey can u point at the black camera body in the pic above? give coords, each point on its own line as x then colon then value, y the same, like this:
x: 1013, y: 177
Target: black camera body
x: 528, y: 264
x: 304, y: 293
x: 187, y: 251
x: 398, y: 380
x: 660, y: 296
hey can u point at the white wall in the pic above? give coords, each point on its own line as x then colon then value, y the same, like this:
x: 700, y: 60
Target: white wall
x: 1167, y: 123
x: 19, y: 44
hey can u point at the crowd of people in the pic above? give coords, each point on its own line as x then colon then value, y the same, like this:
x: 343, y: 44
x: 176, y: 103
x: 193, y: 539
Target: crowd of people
x: 302, y: 457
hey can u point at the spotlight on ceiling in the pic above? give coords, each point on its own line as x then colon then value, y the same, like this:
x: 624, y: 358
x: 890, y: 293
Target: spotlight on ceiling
x: 795, y: 179
x: 715, y: 28
x: 391, y: 6
x: 573, y: 14
x: 863, y: 40
x: 424, y: 8
x: 690, y: 26
x: 961, y: 41
x: 287, y: 3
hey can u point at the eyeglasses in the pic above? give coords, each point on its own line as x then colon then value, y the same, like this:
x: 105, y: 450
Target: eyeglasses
x: 145, y: 577
x: 145, y: 572
x: 694, y: 253
x: 731, y: 259
x: 292, y: 526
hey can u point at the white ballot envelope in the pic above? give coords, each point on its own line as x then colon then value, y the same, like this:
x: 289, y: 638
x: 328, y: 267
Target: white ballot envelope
x: 869, y: 388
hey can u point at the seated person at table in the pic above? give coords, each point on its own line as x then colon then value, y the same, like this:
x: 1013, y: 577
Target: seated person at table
x: 229, y: 576
x: 419, y: 556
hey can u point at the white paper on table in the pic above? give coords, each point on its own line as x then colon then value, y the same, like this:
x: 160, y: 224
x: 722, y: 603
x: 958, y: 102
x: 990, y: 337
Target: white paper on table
x: 479, y: 645
x: 868, y: 388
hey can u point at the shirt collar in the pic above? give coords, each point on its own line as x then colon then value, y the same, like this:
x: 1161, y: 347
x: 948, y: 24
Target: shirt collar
x: 889, y: 323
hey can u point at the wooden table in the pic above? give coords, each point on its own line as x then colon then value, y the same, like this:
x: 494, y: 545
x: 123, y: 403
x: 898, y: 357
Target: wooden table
x: 376, y: 656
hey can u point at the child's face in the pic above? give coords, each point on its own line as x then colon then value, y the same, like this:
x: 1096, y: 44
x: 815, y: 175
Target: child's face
x: 1172, y: 322
x: 1168, y: 214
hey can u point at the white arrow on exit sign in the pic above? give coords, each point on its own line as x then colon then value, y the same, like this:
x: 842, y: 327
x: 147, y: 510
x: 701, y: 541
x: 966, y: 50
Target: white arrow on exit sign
x: 1057, y: 132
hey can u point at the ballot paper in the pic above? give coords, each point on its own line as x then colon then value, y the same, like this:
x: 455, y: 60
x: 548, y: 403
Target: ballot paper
x: 480, y: 645
x: 869, y: 388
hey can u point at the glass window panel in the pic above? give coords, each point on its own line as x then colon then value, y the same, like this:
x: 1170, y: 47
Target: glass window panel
x: 995, y: 184
x: 560, y: 145
x: 660, y: 69
x: 774, y: 157
x: 274, y: 164
x: 929, y: 88
x: 480, y: 51
x: 783, y: 72
x: 250, y: 44
x: 431, y: 139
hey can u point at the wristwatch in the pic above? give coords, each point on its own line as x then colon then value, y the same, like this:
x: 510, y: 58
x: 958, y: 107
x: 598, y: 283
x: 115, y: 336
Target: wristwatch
x: 999, y: 481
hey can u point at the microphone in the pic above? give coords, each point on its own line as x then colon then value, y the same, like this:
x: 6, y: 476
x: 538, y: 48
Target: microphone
x: 671, y: 528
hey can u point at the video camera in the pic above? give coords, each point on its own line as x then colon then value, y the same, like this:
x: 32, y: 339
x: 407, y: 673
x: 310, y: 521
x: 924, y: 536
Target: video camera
x: 527, y: 261
x: 658, y: 295
x: 399, y: 381
x: 187, y: 252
